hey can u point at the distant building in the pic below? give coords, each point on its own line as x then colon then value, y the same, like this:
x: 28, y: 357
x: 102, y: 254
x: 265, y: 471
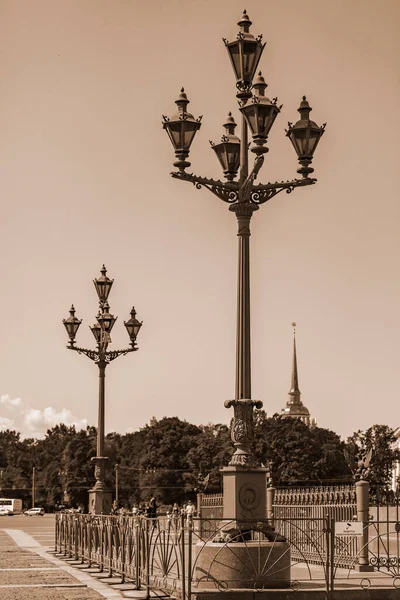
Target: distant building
x: 294, y: 406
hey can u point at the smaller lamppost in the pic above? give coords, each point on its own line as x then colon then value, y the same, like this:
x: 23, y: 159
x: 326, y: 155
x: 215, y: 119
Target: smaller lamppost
x: 99, y: 497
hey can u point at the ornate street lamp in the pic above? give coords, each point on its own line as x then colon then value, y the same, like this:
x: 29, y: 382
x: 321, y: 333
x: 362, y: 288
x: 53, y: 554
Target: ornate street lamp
x: 99, y: 497
x: 103, y: 285
x: 260, y: 113
x: 133, y: 326
x: 245, y: 53
x: 228, y: 151
x: 72, y: 325
x: 181, y: 128
x: 305, y: 135
x: 244, y: 197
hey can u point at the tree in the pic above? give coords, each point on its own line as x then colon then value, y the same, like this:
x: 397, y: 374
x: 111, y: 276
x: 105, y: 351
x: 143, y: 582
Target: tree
x: 297, y: 453
x: 213, y: 450
x: 378, y: 441
x: 164, y: 467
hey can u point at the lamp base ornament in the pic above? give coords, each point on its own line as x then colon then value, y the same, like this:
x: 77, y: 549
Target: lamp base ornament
x: 100, y: 499
x: 242, y: 431
x: 99, y: 471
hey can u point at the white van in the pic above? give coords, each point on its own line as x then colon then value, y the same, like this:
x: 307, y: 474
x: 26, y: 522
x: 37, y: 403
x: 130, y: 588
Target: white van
x: 31, y: 512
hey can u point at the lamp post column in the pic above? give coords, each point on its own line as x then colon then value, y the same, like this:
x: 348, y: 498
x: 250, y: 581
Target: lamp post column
x: 100, y: 432
x: 100, y: 498
x: 243, y: 348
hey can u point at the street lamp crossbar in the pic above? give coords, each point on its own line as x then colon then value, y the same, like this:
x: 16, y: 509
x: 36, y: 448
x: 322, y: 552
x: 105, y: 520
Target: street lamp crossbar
x: 229, y: 192
x: 102, y: 355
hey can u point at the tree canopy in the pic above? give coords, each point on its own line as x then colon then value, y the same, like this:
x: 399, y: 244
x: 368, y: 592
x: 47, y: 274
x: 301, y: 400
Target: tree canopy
x: 173, y: 459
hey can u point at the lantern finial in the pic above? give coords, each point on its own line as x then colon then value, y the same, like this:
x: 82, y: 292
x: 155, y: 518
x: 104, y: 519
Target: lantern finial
x: 244, y: 22
x: 260, y: 85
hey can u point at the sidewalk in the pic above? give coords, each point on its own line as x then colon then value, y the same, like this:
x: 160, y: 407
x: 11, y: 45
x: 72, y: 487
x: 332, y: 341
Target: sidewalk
x: 28, y: 572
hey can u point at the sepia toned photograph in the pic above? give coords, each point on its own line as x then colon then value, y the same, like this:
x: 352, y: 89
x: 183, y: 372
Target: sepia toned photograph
x: 207, y: 192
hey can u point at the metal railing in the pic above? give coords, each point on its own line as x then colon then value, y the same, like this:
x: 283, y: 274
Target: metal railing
x: 309, y: 506
x: 183, y: 556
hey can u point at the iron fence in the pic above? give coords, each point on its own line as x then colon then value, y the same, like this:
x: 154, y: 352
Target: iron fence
x: 295, y: 510
x: 185, y: 557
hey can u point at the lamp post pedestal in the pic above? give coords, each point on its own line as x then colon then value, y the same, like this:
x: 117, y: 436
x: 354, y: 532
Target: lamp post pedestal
x: 100, y: 502
x: 245, y: 490
x: 100, y: 498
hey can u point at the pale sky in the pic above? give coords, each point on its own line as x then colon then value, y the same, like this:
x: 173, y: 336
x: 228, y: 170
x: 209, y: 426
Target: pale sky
x: 84, y: 176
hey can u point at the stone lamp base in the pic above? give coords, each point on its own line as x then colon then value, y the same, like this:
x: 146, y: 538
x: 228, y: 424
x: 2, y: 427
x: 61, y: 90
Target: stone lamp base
x: 100, y: 502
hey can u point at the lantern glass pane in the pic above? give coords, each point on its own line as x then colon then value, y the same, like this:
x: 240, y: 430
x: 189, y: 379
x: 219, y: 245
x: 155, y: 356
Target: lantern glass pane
x: 221, y: 154
x: 233, y: 155
x: 266, y: 117
x: 234, y: 52
x: 189, y: 130
x: 251, y: 117
x: 251, y: 51
x: 175, y: 129
x: 136, y: 328
x: 96, y: 332
x: 299, y: 140
x: 315, y: 134
x: 72, y: 327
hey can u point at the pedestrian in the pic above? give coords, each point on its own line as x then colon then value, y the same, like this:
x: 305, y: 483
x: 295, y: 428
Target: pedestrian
x: 153, y: 508
x: 190, y: 508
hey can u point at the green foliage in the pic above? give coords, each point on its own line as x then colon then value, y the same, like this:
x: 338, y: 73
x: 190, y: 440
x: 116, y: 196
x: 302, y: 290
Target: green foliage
x: 297, y: 453
x: 169, y: 458
x: 378, y: 443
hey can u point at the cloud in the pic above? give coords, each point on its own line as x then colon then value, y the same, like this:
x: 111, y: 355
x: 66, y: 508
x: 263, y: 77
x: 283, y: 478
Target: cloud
x: 34, y: 422
x: 6, y: 423
x: 38, y: 421
x: 6, y: 399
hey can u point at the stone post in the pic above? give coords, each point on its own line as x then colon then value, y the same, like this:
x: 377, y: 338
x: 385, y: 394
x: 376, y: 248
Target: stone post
x: 362, y: 498
x: 198, y: 504
x: 270, y: 505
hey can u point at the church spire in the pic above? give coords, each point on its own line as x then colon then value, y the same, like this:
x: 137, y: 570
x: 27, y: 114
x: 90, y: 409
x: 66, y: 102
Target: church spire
x: 294, y: 393
x: 294, y: 406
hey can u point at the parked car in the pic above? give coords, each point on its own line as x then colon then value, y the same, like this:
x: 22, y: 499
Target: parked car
x: 31, y: 512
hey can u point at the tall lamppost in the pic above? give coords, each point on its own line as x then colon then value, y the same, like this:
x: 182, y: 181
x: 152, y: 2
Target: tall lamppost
x: 244, y: 480
x: 99, y: 497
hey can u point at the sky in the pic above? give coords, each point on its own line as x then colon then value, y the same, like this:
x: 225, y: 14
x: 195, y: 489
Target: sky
x: 84, y: 177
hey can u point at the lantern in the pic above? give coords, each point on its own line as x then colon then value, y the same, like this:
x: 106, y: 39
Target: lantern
x: 72, y: 325
x: 305, y: 136
x: 228, y: 151
x: 106, y: 319
x: 260, y: 113
x: 245, y: 53
x: 181, y: 128
x: 133, y: 326
x: 103, y: 285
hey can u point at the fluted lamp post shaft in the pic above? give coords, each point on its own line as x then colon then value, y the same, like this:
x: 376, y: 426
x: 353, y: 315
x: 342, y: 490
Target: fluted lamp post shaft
x: 99, y: 497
